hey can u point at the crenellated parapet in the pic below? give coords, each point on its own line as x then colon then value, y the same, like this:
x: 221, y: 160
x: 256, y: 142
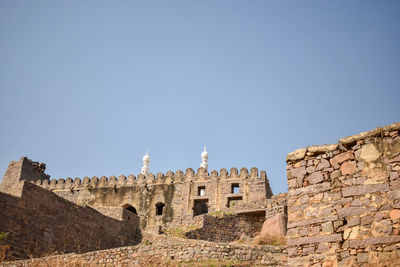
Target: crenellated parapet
x: 169, y: 177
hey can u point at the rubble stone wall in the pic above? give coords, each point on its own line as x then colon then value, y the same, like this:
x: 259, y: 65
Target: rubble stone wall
x: 166, y: 251
x: 178, y: 192
x: 228, y: 228
x: 344, y: 201
x: 41, y: 223
x: 24, y: 169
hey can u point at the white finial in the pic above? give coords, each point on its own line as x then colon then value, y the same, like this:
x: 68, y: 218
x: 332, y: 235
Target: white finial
x: 204, y: 159
x: 146, y: 161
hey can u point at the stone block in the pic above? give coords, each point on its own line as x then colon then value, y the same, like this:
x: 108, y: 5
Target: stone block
x: 369, y: 152
x: 292, y: 252
x: 394, y: 214
x: 310, y: 169
x: 348, y: 168
x: 394, y: 194
x: 393, y: 175
x: 374, y: 241
x: 327, y: 227
x: 323, y: 164
x: 309, y: 250
x: 312, y: 221
x: 352, y: 211
x: 336, y: 160
x: 335, y: 174
x: 365, y: 189
x: 296, y: 155
x: 315, y: 178
x: 315, y: 239
x: 298, y: 172
x: 367, y: 219
x: 362, y: 257
x: 292, y: 183
x: 322, y: 248
x: 395, y: 185
x: 304, y: 231
x: 312, y: 189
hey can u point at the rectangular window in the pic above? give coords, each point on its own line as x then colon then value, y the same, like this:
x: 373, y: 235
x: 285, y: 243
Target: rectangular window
x: 235, y: 189
x: 201, y: 191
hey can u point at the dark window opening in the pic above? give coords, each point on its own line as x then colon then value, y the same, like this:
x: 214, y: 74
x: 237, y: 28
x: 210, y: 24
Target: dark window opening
x: 235, y: 189
x: 200, y: 207
x: 159, y: 208
x: 130, y: 208
x: 233, y: 201
x: 201, y: 191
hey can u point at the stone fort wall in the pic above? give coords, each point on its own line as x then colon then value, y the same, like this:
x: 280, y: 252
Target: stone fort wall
x: 171, y: 198
x: 344, y: 201
x: 41, y: 223
x: 167, y: 251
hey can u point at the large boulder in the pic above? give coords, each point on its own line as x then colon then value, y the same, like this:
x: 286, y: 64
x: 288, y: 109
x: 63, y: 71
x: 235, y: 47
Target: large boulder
x: 273, y: 231
x: 275, y: 225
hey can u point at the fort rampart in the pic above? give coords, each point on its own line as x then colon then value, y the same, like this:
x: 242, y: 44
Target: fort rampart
x: 41, y: 223
x: 167, y: 251
x: 344, y: 201
x: 171, y: 198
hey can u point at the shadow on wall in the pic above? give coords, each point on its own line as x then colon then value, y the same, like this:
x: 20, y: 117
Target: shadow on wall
x: 41, y: 223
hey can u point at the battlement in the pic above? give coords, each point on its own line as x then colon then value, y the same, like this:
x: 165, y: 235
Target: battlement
x: 160, y: 178
x: 157, y: 198
x: 24, y: 169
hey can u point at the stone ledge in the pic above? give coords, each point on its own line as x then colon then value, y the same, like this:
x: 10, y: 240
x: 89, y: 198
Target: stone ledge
x: 374, y: 241
x: 315, y: 239
x: 375, y: 132
x: 364, y: 189
x: 311, y: 221
x: 352, y: 211
x: 317, y: 188
x: 301, y: 153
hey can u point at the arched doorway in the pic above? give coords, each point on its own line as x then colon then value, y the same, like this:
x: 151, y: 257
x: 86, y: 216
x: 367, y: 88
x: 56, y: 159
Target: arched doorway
x: 130, y: 208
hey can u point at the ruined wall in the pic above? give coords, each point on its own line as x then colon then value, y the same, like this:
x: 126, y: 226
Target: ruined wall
x: 228, y: 228
x: 183, y: 194
x: 24, y: 169
x: 40, y: 223
x: 167, y: 251
x: 344, y: 201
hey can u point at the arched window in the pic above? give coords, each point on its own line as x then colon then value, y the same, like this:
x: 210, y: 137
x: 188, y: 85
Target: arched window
x: 130, y: 208
x: 159, y: 208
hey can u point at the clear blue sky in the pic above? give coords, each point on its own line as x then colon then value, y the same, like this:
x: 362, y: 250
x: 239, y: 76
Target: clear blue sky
x: 88, y: 86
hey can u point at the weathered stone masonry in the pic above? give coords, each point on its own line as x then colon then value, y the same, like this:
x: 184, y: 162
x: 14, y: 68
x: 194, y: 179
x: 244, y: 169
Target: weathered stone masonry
x: 108, y: 210
x: 40, y: 223
x: 344, y: 201
x: 171, y: 198
x: 343, y: 208
x: 160, y: 251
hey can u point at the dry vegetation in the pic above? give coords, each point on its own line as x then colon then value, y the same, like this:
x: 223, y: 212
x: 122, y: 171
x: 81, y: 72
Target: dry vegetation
x: 180, y: 231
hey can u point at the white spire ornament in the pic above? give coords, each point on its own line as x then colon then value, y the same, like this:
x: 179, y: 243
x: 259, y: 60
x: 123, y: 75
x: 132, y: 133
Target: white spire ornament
x: 204, y: 159
x: 146, y: 161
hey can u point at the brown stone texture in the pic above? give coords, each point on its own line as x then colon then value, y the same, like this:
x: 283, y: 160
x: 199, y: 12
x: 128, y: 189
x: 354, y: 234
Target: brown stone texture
x: 275, y: 225
x: 40, y: 223
x: 179, y: 193
x: 24, y: 169
x: 349, y: 209
x: 155, y: 202
x: 227, y: 228
x: 168, y: 251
